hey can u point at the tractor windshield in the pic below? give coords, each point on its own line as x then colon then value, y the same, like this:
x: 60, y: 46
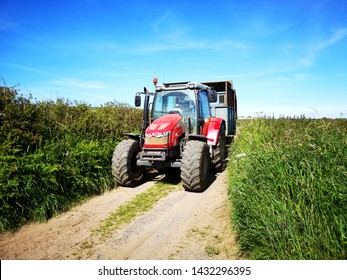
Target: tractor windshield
x: 179, y: 102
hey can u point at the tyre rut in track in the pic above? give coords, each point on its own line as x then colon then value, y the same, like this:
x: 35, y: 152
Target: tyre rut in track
x: 183, y: 225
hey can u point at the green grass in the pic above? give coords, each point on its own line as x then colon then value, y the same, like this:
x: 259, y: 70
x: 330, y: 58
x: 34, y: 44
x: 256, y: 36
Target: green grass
x: 288, y: 188
x: 212, y: 251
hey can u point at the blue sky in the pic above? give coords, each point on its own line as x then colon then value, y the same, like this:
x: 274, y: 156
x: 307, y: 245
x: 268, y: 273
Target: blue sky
x: 284, y: 57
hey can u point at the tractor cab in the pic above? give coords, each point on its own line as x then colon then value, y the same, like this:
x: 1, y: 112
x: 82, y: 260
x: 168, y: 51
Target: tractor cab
x: 189, y: 100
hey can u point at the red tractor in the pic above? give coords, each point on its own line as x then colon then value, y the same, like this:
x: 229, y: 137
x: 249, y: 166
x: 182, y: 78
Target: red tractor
x: 179, y: 133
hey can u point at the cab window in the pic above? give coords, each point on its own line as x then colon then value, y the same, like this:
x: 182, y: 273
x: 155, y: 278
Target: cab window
x: 205, y: 112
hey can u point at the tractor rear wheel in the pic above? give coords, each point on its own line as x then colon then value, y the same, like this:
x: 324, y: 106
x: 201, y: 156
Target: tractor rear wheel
x: 124, y: 168
x: 219, y: 152
x: 195, y: 166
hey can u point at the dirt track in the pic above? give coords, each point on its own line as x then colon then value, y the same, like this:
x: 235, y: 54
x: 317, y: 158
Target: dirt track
x: 182, y: 225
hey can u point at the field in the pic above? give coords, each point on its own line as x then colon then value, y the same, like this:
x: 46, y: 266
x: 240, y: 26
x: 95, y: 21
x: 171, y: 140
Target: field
x: 288, y: 188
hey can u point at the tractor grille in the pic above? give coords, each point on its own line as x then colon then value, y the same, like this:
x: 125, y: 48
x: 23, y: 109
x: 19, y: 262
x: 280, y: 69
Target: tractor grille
x: 163, y: 140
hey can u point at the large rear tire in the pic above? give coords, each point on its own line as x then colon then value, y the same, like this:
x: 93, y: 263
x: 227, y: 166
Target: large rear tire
x: 195, y: 166
x: 219, y: 152
x: 124, y: 168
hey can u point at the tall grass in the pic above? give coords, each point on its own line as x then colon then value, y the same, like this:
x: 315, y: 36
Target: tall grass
x: 53, y: 154
x: 288, y: 188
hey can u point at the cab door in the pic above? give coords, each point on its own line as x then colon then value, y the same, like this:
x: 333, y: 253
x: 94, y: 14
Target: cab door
x: 204, y: 113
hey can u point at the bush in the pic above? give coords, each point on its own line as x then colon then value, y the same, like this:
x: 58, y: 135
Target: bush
x: 54, y: 154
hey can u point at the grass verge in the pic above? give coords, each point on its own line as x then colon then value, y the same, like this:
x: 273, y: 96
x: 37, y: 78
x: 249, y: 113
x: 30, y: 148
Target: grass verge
x: 288, y: 189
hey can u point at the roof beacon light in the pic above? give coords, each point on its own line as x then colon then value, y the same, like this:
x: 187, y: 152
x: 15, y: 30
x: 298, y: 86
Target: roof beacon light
x: 155, y: 81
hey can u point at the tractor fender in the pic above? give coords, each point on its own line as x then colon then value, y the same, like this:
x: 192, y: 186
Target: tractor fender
x: 211, y: 130
x: 133, y: 136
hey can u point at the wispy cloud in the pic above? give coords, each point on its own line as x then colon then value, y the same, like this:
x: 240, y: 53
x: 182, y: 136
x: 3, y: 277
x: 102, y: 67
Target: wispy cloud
x: 185, y: 44
x: 26, y: 68
x: 70, y: 82
x: 169, y: 26
x: 117, y: 75
x: 169, y: 32
x: 172, y: 43
x: 341, y: 75
x: 336, y: 37
x: 314, y: 49
x: 242, y: 75
x: 7, y: 25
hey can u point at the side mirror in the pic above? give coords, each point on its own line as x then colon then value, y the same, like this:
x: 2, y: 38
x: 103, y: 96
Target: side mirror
x: 212, y: 95
x: 137, y: 101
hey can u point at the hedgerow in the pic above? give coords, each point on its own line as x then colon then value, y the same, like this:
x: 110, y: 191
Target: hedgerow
x: 53, y: 154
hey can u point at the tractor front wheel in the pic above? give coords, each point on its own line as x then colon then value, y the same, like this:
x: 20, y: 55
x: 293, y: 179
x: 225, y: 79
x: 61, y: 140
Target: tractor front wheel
x: 124, y: 168
x: 195, y: 166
